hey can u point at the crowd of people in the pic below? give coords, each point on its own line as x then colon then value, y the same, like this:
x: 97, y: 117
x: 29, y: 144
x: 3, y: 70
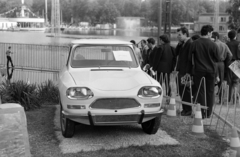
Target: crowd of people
x: 203, y: 59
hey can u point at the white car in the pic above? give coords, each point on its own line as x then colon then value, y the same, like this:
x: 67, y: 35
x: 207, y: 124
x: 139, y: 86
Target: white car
x: 103, y: 84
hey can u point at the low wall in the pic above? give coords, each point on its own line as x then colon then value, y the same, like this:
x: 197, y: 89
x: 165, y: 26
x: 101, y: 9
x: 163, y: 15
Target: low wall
x: 14, y: 140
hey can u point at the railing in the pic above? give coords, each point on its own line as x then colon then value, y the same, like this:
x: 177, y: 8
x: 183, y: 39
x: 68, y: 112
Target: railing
x: 30, y: 56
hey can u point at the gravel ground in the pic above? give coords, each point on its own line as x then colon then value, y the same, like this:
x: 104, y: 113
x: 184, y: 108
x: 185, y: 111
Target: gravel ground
x: 88, y: 138
x: 44, y: 143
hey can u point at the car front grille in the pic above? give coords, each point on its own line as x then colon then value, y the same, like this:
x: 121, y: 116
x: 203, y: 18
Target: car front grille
x: 117, y: 118
x: 115, y: 103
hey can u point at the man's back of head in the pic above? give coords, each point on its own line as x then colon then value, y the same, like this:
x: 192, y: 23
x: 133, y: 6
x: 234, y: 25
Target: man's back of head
x: 232, y: 34
x: 215, y: 35
x: 206, y: 29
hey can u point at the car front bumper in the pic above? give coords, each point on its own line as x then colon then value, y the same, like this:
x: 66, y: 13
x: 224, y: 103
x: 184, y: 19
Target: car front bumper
x: 112, y: 119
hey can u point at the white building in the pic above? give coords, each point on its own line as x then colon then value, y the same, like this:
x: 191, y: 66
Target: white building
x: 209, y: 18
x: 22, y: 21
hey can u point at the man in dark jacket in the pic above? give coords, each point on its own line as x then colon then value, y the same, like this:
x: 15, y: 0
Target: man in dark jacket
x: 183, y: 64
x: 232, y: 79
x: 164, y: 62
x: 152, y: 50
x: 225, y: 58
x: 205, y: 57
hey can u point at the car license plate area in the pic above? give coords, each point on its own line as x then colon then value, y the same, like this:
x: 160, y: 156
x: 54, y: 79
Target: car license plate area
x: 117, y: 118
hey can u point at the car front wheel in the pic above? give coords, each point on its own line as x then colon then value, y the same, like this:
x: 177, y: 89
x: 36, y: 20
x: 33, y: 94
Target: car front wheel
x: 67, y: 125
x: 151, y: 126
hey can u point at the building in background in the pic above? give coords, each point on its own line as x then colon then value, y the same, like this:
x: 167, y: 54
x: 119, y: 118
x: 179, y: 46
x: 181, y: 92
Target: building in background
x: 209, y: 18
x: 21, y: 18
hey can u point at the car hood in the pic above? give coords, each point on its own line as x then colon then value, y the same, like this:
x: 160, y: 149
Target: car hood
x: 110, y: 80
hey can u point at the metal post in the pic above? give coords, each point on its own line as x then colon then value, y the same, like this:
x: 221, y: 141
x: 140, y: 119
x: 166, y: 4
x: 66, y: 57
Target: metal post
x: 159, y: 20
x: 216, y: 23
x: 46, y: 12
x: 170, y: 18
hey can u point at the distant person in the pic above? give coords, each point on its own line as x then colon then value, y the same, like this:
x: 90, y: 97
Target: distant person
x: 9, y: 59
x: 225, y: 58
x: 137, y: 52
x: 144, y: 51
x: 164, y: 62
x: 183, y: 64
x: 195, y: 37
x: 205, y: 56
x: 232, y: 79
x: 152, y: 50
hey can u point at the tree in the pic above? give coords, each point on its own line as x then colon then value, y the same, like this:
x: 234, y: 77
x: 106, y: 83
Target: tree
x: 234, y: 13
x: 109, y: 13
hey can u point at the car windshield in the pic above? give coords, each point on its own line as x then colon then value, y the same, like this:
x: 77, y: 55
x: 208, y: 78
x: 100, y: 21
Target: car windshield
x: 103, y: 56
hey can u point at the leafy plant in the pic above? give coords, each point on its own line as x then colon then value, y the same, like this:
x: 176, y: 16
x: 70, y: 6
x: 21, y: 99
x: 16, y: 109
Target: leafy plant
x: 48, y: 92
x: 20, y: 92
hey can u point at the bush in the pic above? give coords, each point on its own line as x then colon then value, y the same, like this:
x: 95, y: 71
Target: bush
x: 20, y: 92
x: 30, y: 96
x: 48, y: 92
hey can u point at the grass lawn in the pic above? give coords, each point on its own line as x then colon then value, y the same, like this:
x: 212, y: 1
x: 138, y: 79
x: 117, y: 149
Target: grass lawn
x: 44, y: 143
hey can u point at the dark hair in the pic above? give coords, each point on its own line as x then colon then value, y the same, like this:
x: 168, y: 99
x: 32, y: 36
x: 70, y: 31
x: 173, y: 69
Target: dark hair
x: 165, y: 38
x: 184, y: 30
x: 232, y: 34
x: 9, y: 47
x: 206, y: 29
x: 133, y: 41
x: 215, y: 35
x: 195, y: 37
x: 144, y: 41
x: 151, y: 41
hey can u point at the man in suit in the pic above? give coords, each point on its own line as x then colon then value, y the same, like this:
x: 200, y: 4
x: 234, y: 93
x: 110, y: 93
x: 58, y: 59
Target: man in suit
x: 183, y: 63
x: 164, y: 62
x: 152, y: 50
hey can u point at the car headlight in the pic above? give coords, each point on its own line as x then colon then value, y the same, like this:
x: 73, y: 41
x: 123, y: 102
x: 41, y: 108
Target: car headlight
x: 149, y: 92
x: 79, y: 93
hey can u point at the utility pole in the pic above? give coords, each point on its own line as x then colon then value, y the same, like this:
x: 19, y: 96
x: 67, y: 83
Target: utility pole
x: 168, y: 18
x: 216, y: 16
x: 46, y: 13
x: 55, y: 18
x: 159, y: 20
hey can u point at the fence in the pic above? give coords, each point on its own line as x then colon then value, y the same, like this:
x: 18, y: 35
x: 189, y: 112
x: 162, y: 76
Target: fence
x: 225, y: 114
x: 35, y: 57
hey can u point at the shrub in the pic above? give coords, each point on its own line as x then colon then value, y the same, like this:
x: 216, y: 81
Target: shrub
x: 48, y: 92
x: 20, y: 92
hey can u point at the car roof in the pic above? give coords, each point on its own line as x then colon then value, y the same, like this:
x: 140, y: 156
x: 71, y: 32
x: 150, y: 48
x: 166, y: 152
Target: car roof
x: 101, y: 42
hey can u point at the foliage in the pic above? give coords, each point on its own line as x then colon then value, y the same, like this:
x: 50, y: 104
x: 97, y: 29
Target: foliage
x: 234, y: 12
x: 48, y: 92
x: 106, y: 11
x: 20, y: 92
x: 30, y: 96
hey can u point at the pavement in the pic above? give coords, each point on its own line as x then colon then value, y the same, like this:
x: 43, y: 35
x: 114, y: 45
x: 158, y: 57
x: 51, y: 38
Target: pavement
x: 88, y: 138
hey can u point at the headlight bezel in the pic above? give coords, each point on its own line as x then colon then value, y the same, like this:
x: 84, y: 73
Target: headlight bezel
x: 79, y: 93
x: 149, y: 92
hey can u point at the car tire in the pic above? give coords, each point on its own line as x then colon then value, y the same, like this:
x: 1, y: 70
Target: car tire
x: 67, y: 125
x: 151, y: 126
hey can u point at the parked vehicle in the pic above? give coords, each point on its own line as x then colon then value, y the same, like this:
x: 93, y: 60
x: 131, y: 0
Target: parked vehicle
x: 103, y: 84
